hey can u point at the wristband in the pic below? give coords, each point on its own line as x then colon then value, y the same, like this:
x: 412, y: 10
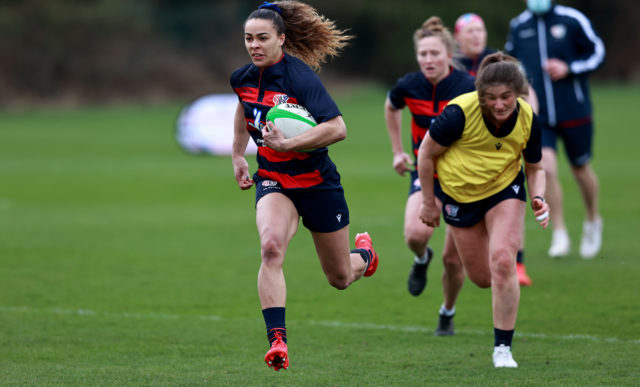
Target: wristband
x: 539, y: 197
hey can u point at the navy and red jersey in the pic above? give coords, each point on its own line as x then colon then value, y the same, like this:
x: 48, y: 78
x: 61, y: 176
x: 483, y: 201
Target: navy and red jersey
x: 472, y: 65
x: 426, y: 100
x: 287, y: 81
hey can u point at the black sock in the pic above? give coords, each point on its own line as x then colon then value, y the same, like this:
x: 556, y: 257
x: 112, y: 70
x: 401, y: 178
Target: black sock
x: 520, y: 256
x: 365, y: 254
x: 274, y: 320
x: 502, y: 337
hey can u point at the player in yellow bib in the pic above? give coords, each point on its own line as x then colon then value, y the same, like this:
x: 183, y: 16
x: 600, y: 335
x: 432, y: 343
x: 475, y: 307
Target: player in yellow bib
x: 480, y: 164
x: 477, y: 145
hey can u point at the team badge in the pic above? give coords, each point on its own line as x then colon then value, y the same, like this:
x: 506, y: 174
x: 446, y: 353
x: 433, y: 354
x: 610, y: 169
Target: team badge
x: 280, y: 99
x: 257, y: 115
x: 558, y: 31
x: 451, y: 210
x: 269, y: 183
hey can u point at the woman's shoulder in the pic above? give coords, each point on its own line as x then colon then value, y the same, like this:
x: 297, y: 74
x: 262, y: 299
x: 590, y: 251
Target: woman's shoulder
x: 296, y: 63
x: 409, y: 80
x: 461, y: 80
x: 238, y: 74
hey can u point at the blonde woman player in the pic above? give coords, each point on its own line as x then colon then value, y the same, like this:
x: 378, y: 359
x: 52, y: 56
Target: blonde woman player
x: 426, y: 92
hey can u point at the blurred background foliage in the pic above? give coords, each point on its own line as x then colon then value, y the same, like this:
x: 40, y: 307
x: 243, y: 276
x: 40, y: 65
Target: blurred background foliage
x: 93, y: 51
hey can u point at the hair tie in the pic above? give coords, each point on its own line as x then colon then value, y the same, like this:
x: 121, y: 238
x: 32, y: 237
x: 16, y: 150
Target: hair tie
x: 270, y: 6
x: 465, y: 19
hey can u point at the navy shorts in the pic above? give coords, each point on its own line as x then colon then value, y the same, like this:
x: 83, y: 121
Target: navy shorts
x: 415, y: 183
x: 577, y: 138
x: 323, y: 210
x: 416, y: 187
x: 468, y: 214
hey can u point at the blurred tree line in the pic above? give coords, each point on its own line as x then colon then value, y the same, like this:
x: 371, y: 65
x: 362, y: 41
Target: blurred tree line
x: 88, y: 51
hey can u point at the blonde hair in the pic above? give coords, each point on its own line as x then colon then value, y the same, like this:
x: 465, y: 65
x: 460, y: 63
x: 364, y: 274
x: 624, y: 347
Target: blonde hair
x: 433, y: 26
x: 308, y: 35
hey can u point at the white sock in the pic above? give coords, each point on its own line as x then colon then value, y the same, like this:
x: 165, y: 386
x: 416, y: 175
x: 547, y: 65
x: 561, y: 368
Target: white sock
x: 447, y: 312
x: 424, y: 259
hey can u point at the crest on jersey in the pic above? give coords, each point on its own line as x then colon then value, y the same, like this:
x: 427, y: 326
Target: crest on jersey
x: 257, y: 115
x: 558, y: 31
x: 280, y: 99
x: 269, y: 183
x: 451, y: 210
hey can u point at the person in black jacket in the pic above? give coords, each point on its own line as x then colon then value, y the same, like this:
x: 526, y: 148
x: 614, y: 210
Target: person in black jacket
x: 559, y: 48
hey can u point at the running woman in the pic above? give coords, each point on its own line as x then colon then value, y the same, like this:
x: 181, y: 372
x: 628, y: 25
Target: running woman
x: 470, y: 33
x: 477, y: 145
x: 426, y: 92
x: 283, y: 40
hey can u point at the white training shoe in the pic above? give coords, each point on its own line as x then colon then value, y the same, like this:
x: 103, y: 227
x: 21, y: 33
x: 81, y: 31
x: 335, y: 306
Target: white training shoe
x: 560, y: 244
x: 502, y: 357
x: 591, y: 238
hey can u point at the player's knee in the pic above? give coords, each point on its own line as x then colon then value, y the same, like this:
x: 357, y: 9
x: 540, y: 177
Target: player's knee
x: 414, y: 238
x: 481, y: 281
x: 339, y: 281
x: 502, y: 267
x: 272, y: 250
x: 339, y: 284
x: 452, y: 262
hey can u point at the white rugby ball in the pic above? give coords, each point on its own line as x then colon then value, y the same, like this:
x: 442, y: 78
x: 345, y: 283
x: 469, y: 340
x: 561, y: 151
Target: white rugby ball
x: 291, y: 119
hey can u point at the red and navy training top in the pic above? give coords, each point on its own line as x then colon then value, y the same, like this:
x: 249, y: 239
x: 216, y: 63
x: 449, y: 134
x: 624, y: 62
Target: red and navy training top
x: 288, y: 81
x: 426, y: 100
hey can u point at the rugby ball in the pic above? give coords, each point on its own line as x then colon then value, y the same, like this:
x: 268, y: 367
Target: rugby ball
x: 291, y: 119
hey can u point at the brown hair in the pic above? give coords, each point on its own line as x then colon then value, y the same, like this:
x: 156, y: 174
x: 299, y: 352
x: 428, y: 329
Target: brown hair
x: 309, y: 36
x: 433, y: 26
x: 503, y: 69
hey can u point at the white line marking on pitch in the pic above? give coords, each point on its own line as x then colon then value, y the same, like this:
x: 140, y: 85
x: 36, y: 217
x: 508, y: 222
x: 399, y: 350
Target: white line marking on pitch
x: 334, y: 324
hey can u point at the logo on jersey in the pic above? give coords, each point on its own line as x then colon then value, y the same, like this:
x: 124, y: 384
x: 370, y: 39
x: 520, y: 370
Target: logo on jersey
x: 451, y: 210
x: 526, y: 34
x: 558, y: 31
x: 416, y: 183
x: 498, y: 145
x: 515, y: 188
x: 339, y: 217
x: 280, y: 98
x: 257, y: 115
x: 269, y: 183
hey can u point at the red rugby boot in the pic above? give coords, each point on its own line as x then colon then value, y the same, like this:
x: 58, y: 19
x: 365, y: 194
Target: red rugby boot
x: 363, y: 241
x: 523, y: 278
x: 278, y: 355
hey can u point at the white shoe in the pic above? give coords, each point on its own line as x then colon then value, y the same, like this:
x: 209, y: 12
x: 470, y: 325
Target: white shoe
x: 502, y: 357
x: 591, y: 238
x: 560, y: 244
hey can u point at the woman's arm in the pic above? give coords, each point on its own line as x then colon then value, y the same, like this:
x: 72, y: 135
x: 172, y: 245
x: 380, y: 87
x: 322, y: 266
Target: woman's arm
x: 240, y: 141
x: 324, y: 134
x: 537, y: 186
x: 427, y: 155
x: 393, y: 117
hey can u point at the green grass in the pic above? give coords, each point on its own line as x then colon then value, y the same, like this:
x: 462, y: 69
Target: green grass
x: 126, y: 261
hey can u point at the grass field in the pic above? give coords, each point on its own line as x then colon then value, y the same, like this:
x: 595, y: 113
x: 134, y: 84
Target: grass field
x: 126, y: 261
